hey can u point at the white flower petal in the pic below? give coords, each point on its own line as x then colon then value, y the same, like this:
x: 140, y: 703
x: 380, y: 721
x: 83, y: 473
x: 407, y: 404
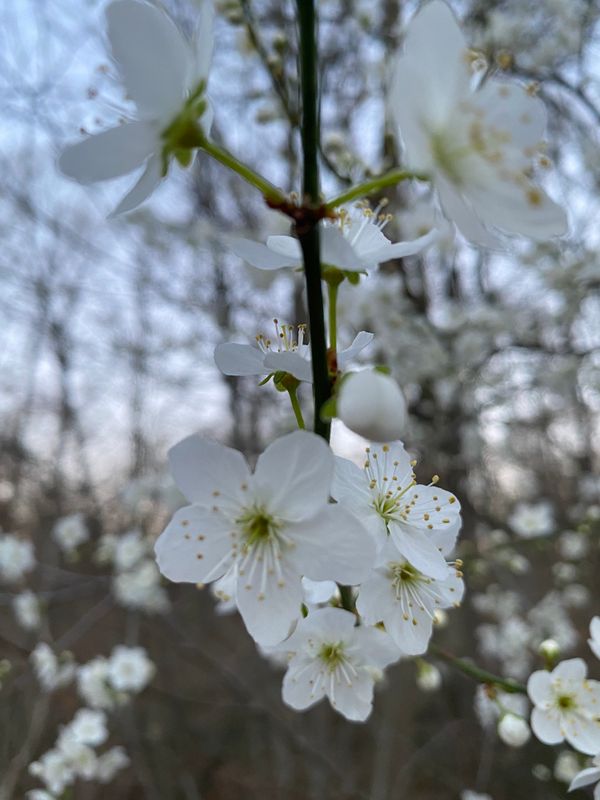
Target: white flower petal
x: 208, y: 473
x: 301, y: 687
x: 154, y: 59
x: 286, y: 246
x: 269, y: 603
x: 288, y: 361
x: 147, y: 183
x: 240, y: 359
x: 539, y: 687
x: 293, y: 475
x: 514, y: 113
x: 402, y: 249
x: 573, y: 669
x: 583, y: 734
x: 109, y: 154
x: 585, y: 778
x: 465, y: 219
x: 352, y: 698
x: 419, y: 550
x: 361, y: 340
x: 195, y: 546
x: 435, y: 42
x: 336, y: 251
x: 333, y: 545
x: 546, y: 726
x: 203, y: 41
x: 522, y: 209
x: 261, y: 256
x: 380, y: 647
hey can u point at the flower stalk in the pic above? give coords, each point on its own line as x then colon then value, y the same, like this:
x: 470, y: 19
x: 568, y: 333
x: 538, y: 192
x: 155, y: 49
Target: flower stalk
x: 476, y: 673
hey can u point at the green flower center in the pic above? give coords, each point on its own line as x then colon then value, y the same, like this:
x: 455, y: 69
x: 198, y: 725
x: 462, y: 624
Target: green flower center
x: 258, y: 527
x: 332, y: 655
x: 566, y: 702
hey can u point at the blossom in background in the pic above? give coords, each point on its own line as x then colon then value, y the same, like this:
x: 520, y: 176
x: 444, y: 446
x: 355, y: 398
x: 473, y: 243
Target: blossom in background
x: 477, y: 145
x: 88, y: 726
x: 588, y: 776
x: 354, y: 243
x: 269, y: 528
x: 532, y: 519
x: 69, y: 532
x: 594, y: 640
x: 165, y: 76
x: 16, y: 557
x: 54, y: 770
x: 405, y: 600
x: 129, y: 669
x: 109, y: 763
x: 371, y: 404
x: 92, y: 684
x: 287, y: 353
x: 567, y: 706
x: 51, y: 672
x: 385, y: 496
x: 27, y: 611
x: 331, y: 657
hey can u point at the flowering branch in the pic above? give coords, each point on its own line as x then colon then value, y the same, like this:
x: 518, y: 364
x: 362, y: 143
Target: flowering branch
x: 478, y: 674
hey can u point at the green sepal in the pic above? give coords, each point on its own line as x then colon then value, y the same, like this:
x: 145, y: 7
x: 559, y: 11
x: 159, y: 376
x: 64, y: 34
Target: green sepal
x: 285, y: 382
x: 267, y: 379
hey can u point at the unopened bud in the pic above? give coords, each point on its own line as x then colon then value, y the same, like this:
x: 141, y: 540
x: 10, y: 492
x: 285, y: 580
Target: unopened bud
x: 513, y: 730
x: 372, y: 405
x: 550, y: 651
x: 429, y: 678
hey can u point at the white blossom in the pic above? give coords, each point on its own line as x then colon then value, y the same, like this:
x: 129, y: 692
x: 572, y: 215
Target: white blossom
x: 54, y: 770
x: 331, y: 657
x: 385, y: 496
x: 354, y: 243
x: 532, y: 519
x: 429, y: 678
x: 109, y: 763
x: 92, y: 684
x: 405, y: 600
x: 69, y: 532
x: 88, y: 726
x: 129, y: 549
x: 51, y: 672
x: 27, y: 610
x: 269, y: 528
x: 165, y: 76
x: 371, y: 404
x: 287, y: 353
x: 16, y: 557
x: 140, y: 588
x: 476, y: 145
x: 567, y: 706
x: 130, y: 669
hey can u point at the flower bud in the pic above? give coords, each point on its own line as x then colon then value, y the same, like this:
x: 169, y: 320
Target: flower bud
x: 429, y: 678
x: 513, y: 730
x: 549, y: 649
x: 371, y: 404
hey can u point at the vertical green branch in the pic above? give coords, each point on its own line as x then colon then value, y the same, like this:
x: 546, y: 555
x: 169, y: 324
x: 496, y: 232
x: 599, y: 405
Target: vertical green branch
x: 307, y: 229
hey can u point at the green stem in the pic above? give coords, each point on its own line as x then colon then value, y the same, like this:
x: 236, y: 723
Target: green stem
x: 270, y: 192
x: 296, y: 407
x: 307, y: 230
x: 373, y: 185
x: 478, y: 674
x: 333, y: 292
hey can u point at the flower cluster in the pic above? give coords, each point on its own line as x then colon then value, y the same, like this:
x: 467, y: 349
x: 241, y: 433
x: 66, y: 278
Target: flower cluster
x: 261, y: 533
x: 103, y: 684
